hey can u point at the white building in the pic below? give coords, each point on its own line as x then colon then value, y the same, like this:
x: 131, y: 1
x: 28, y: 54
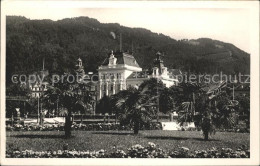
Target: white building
x: 114, y: 71
x: 121, y: 70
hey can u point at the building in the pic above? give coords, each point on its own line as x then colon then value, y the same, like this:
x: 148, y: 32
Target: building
x: 38, y: 84
x: 120, y: 70
x: 114, y: 71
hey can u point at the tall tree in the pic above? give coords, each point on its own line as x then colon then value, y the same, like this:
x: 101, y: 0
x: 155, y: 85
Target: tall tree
x: 70, y: 96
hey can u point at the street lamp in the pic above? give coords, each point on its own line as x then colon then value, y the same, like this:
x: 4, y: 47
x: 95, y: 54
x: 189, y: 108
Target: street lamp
x: 235, y: 81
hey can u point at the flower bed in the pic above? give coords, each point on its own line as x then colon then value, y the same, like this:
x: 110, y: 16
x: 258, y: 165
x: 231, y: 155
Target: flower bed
x: 136, y: 151
x: 237, y: 130
x: 103, y: 127
x: 86, y: 127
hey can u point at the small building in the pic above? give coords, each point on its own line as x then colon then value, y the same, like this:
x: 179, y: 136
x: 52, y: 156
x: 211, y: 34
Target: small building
x: 38, y: 84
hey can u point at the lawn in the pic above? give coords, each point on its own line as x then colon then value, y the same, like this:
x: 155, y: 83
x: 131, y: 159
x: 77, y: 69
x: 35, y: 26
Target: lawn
x: 96, y: 140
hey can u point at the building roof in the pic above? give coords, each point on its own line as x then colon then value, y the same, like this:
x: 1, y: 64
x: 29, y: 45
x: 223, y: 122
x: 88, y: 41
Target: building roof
x: 175, y: 72
x: 139, y: 74
x: 122, y: 58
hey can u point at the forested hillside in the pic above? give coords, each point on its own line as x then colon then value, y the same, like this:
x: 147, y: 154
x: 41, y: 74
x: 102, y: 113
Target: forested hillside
x: 62, y: 42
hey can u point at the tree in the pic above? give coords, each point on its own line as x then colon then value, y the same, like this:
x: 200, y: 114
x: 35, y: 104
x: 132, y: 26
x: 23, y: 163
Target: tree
x: 19, y: 91
x: 206, y: 112
x: 244, y: 103
x: 186, y: 101
x: 103, y: 105
x: 134, y: 106
x: 161, y: 95
x: 70, y: 97
x: 166, y: 100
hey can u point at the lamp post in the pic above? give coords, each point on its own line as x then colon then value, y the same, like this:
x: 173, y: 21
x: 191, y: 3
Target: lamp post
x: 158, y: 101
x: 235, y: 81
x: 38, y: 110
x: 92, y: 93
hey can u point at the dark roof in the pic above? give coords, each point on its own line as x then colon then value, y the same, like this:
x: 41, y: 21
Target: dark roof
x: 175, y: 72
x: 139, y: 74
x: 122, y: 58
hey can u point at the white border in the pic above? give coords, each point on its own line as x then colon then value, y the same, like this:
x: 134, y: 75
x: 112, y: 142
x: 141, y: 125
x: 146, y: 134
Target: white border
x: 254, y: 103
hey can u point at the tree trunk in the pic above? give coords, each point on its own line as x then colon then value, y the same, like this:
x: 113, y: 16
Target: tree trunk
x: 116, y: 118
x: 67, y: 127
x: 136, y: 128
x: 206, y: 135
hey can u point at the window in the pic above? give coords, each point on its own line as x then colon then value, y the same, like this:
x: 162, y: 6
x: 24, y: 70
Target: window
x: 118, y: 76
x: 111, y: 88
x: 154, y: 71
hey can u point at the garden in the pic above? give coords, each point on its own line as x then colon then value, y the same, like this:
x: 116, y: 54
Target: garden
x: 136, y: 131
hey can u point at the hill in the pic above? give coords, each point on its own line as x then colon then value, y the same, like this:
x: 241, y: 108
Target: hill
x: 62, y: 42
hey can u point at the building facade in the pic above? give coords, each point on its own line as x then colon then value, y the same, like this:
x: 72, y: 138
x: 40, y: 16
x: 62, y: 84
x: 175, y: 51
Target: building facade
x: 114, y: 72
x: 120, y: 70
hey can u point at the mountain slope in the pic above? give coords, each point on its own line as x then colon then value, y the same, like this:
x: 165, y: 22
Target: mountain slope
x: 62, y: 42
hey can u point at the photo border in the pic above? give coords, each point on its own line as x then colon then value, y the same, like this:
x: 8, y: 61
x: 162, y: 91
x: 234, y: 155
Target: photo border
x: 253, y: 6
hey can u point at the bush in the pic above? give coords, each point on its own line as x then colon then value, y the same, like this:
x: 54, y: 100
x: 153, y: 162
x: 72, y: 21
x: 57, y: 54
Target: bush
x: 136, y: 151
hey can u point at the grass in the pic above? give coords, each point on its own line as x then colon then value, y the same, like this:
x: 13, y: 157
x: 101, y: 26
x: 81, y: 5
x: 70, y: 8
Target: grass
x: 96, y: 140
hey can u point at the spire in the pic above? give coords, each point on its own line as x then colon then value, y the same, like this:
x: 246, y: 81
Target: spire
x: 79, y: 62
x: 112, y: 59
x: 80, y: 67
x: 158, y: 62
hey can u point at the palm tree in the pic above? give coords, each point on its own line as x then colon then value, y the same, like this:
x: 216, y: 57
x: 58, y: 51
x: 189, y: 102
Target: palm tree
x: 207, y: 112
x: 70, y: 97
x: 134, y: 108
x: 186, y: 101
x: 155, y: 89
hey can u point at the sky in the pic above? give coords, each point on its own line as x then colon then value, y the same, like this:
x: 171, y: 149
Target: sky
x: 226, y: 24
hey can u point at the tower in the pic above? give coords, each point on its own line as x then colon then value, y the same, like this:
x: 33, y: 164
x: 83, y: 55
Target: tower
x: 159, y: 68
x: 80, y: 68
x: 112, y: 59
